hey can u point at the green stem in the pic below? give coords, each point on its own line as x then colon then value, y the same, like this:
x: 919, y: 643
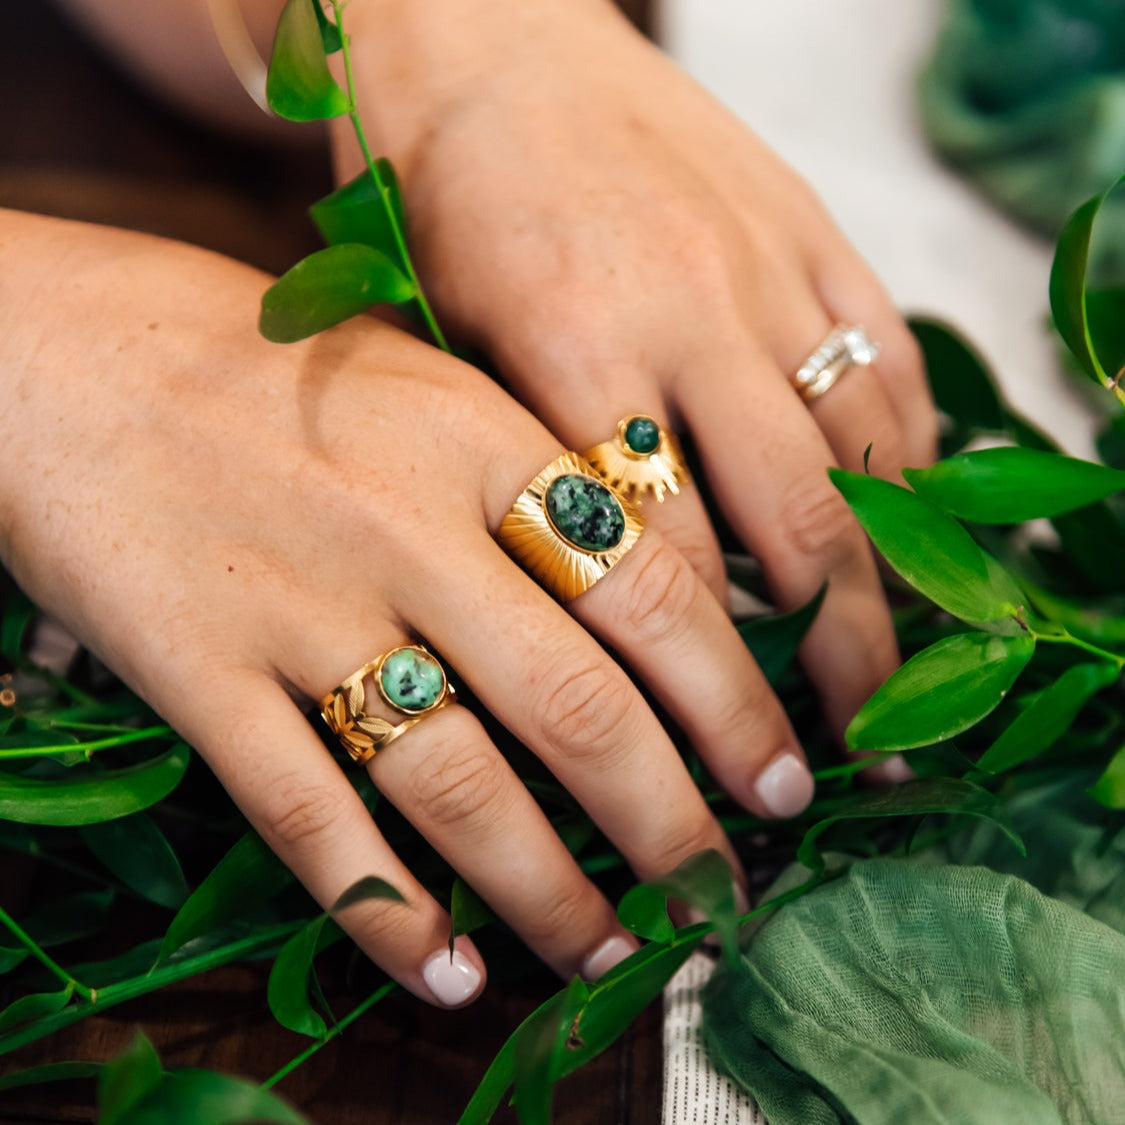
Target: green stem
x: 1065, y: 638
x: 384, y: 194
x: 130, y: 989
x: 88, y: 748
x: 33, y: 947
x: 350, y: 1018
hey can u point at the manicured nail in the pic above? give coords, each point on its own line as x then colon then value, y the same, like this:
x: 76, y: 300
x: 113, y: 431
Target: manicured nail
x: 451, y: 980
x: 611, y: 952
x: 785, y: 786
x: 890, y: 771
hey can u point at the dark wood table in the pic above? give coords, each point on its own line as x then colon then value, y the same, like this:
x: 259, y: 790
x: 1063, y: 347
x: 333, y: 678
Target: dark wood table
x: 78, y: 139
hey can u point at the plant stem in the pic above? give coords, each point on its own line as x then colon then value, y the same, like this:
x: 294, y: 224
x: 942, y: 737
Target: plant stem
x: 88, y: 748
x: 384, y: 193
x: 1066, y: 638
x: 383, y: 990
x: 36, y: 951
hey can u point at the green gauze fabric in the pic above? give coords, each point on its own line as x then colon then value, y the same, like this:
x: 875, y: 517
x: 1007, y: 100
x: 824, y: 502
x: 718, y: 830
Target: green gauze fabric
x: 906, y: 991
x: 1027, y: 99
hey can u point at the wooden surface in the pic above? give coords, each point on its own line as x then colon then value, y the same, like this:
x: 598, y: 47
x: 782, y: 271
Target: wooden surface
x: 78, y: 139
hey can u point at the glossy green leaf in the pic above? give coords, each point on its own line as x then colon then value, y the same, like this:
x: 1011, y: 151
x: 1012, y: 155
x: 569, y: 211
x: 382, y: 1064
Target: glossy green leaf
x: 299, y: 85
x: 1011, y: 485
x: 912, y: 798
x: 1110, y: 441
x: 11, y: 957
x: 370, y: 886
x: 1105, y: 314
x: 538, y: 1051
x: 329, y: 32
x: 94, y: 796
x: 70, y: 917
x: 291, y: 977
x: 248, y: 875
x: 940, y: 692
x: 1068, y: 287
x: 1048, y: 717
x: 136, y: 851
x: 191, y: 1097
x: 468, y: 912
x: 1109, y: 789
x: 49, y: 1073
x: 35, y: 1006
x: 773, y: 641
x: 358, y: 212
x: 328, y: 287
x: 931, y: 550
x: 702, y: 881
x: 127, y: 1080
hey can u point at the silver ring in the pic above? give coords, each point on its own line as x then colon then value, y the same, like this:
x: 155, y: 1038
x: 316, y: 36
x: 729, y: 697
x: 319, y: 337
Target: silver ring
x: 845, y: 346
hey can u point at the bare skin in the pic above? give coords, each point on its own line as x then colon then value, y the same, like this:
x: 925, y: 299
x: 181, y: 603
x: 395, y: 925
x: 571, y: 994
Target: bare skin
x: 235, y: 526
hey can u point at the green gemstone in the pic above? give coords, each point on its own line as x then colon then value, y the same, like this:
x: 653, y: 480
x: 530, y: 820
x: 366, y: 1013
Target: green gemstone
x: 585, y: 512
x: 411, y: 679
x: 642, y: 434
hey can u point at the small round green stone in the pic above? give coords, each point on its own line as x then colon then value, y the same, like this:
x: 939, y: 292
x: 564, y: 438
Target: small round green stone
x: 585, y: 512
x: 642, y: 434
x: 411, y: 680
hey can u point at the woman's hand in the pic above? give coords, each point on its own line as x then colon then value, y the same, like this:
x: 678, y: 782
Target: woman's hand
x: 236, y: 526
x: 618, y: 243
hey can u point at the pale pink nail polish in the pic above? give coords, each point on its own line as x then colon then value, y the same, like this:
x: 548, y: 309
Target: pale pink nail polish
x: 785, y: 786
x: 451, y: 980
x: 611, y: 952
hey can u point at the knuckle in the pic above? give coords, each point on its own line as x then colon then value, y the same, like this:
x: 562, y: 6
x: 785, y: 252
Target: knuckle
x: 818, y: 524
x: 301, y: 814
x: 558, y: 913
x: 456, y: 785
x: 663, y: 596
x: 586, y: 710
x: 682, y: 841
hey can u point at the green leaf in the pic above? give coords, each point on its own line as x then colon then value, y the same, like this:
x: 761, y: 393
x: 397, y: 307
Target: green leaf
x: 191, y: 1097
x: 49, y: 1073
x: 1092, y: 538
x: 70, y: 917
x: 773, y: 641
x: 299, y: 86
x: 940, y: 692
x: 19, y: 612
x: 1048, y: 718
x: 1109, y: 789
x: 539, y: 1047
x: 467, y: 910
x: 358, y: 212
x: 702, y: 881
x: 931, y: 550
x: 248, y: 875
x: 1068, y: 287
x: 290, y: 978
x: 136, y: 851
x: 329, y: 32
x: 127, y: 1080
x: 912, y: 798
x: 328, y: 287
x: 97, y: 795
x: 1011, y: 485
x: 370, y: 886
x: 34, y: 1007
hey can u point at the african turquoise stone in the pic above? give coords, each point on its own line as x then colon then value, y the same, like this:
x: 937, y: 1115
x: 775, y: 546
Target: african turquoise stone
x: 411, y: 679
x: 642, y: 434
x: 585, y: 512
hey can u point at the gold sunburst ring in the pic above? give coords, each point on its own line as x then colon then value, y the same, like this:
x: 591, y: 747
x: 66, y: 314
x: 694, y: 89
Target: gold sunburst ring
x: 568, y: 528
x: 640, y: 458
x: 408, y: 679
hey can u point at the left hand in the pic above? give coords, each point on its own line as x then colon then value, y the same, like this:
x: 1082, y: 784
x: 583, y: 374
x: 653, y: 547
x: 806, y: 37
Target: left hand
x: 617, y: 242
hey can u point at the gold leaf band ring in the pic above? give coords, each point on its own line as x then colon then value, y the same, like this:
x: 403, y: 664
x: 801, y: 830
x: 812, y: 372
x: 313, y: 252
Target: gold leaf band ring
x: 568, y: 528
x: 640, y: 459
x: 408, y: 679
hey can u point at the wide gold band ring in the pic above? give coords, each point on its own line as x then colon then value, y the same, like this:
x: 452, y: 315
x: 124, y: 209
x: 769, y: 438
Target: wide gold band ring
x: 844, y: 347
x: 640, y: 458
x: 568, y: 528
x: 409, y: 680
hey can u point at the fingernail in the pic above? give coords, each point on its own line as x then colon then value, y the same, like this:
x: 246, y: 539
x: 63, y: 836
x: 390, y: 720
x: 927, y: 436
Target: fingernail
x: 785, y: 786
x: 890, y: 771
x: 611, y: 952
x: 451, y: 980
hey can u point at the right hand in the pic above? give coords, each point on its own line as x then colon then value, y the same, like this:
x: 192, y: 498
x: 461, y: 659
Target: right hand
x: 234, y: 527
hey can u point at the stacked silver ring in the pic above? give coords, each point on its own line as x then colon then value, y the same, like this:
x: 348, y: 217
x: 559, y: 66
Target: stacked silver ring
x: 845, y: 346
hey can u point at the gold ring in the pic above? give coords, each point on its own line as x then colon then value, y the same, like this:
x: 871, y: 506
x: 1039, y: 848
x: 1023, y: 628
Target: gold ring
x: 641, y: 457
x: 844, y: 347
x: 408, y: 679
x: 568, y: 528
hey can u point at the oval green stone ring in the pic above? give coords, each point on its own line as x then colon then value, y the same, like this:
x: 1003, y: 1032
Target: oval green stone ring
x: 408, y: 679
x: 569, y: 528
